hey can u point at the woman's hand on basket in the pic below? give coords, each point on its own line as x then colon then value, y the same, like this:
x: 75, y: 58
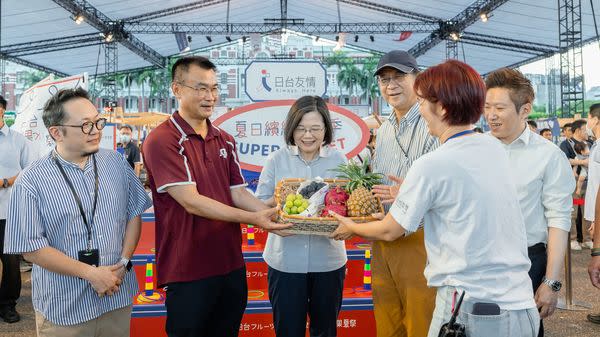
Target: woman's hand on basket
x: 343, y: 232
x: 388, y: 193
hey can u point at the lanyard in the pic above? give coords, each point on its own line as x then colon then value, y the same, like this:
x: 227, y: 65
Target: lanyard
x: 462, y: 133
x: 88, y: 225
x: 412, y: 137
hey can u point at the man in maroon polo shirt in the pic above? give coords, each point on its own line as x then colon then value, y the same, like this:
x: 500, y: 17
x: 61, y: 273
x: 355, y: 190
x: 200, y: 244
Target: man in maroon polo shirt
x: 200, y: 199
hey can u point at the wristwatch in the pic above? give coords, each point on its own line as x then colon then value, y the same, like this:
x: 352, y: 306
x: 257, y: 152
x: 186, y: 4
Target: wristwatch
x: 126, y: 263
x: 5, y: 183
x: 553, y: 284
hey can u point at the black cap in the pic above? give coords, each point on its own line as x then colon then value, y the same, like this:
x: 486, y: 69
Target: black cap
x: 399, y: 60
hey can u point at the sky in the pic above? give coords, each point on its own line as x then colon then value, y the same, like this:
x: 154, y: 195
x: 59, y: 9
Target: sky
x: 591, y: 65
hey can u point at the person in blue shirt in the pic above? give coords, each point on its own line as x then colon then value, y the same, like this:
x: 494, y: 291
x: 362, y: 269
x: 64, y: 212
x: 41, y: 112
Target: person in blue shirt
x: 306, y: 272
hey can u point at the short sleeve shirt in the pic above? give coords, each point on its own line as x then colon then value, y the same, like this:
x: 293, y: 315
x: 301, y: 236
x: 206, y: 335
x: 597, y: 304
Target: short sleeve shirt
x: 474, y: 231
x: 190, y: 247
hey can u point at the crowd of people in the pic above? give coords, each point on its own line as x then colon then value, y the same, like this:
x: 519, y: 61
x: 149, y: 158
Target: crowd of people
x: 472, y: 241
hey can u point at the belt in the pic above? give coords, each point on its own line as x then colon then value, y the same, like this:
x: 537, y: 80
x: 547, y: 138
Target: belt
x: 538, y: 248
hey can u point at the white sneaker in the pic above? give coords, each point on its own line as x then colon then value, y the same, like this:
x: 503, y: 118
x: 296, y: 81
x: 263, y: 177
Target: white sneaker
x: 588, y: 244
x: 575, y: 245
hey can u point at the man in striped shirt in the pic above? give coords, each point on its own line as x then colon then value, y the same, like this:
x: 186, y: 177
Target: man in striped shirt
x: 403, y: 303
x: 75, y: 214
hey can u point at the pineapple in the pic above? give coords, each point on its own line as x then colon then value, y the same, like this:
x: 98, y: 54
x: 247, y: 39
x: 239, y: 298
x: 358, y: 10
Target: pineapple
x: 361, y: 201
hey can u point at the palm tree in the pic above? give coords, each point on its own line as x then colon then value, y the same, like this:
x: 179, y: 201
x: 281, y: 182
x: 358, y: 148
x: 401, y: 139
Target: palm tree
x: 368, y: 83
x: 349, y: 77
x: 141, y: 79
x: 29, y: 78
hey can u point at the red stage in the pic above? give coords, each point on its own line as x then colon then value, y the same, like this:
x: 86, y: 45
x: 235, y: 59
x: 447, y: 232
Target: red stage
x: 149, y: 314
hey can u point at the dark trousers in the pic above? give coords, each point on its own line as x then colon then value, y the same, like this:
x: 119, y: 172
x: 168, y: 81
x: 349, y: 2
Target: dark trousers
x: 294, y: 295
x: 579, y: 224
x: 539, y: 259
x: 10, y: 286
x: 211, y: 307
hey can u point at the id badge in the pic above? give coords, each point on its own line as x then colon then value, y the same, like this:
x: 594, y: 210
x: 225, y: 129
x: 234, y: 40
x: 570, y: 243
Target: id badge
x: 91, y: 257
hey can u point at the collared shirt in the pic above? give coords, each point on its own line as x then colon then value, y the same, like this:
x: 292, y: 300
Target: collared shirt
x: 43, y: 213
x: 132, y: 153
x: 545, y: 183
x: 300, y: 253
x: 474, y: 233
x: 589, y: 212
x: 16, y: 152
x: 400, y: 142
x: 190, y: 247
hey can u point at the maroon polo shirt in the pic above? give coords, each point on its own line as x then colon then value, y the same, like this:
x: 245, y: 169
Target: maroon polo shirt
x: 190, y: 247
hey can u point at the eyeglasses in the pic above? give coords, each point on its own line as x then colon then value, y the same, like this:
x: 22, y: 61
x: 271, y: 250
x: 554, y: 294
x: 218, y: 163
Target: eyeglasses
x: 87, y: 127
x: 385, y: 81
x: 202, y: 91
x: 313, y: 130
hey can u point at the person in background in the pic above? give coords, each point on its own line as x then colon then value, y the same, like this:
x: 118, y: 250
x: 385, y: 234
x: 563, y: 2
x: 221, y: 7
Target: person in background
x: 312, y: 265
x: 532, y: 125
x: 131, y: 151
x: 474, y: 231
x: 17, y: 153
x: 583, y: 152
x: 566, y: 138
x: 546, y: 133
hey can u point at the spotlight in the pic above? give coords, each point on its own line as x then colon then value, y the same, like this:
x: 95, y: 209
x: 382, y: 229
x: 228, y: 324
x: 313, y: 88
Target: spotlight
x: 109, y: 37
x: 189, y: 38
x: 208, y: 38
x: 317, y: 38
x: 355, y: 38
x: 484, y: 17
x: 78, y: 19
x: 228, y: 38
x: 244, y: 38
x: 455, y: 36
x: 372, y: 38
x: 337, y: 37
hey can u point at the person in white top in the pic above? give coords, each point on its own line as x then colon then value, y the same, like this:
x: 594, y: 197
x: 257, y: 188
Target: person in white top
x: 543, y: 177
x: 474, y: 232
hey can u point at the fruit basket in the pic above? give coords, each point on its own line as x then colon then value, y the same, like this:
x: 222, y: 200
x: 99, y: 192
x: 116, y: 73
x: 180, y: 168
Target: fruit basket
x: 358, y: 202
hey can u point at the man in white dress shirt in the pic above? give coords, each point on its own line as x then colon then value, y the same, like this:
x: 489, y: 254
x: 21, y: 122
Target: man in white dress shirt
x: 544, y: 181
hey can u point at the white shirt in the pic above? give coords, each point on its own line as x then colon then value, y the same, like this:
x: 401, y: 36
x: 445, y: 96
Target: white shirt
x: 474, y: 232
x: 593, y: 183
x: 16, y: 152
x: 545, y: 184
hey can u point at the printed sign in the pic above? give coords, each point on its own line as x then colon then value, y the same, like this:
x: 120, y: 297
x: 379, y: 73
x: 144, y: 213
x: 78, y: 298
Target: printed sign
x: 272, y: 80
x: 29, y: 114
x: 258, y: 131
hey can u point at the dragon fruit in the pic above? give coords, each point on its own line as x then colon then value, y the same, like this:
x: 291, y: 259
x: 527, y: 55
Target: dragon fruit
x: 339, y: 209
x: 336, y: 196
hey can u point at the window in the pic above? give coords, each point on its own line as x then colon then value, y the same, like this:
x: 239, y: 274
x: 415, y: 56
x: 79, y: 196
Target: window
x: 223, y: 78
x: 223, y: 53
x: 131, y: 104
x: 300, y: 53
x: 153, y: 104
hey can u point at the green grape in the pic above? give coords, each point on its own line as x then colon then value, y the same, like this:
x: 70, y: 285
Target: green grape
x: 287, y: 210
x: 297, y: 202
x: 294, y: 210
x: 299, y: 197
x: 290, y: 197
x: 289, y: 204
x: 301, y: 209
x: 305, y: 204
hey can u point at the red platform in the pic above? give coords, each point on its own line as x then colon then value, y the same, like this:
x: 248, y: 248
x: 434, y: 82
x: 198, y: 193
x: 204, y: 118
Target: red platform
x: 355, y: 320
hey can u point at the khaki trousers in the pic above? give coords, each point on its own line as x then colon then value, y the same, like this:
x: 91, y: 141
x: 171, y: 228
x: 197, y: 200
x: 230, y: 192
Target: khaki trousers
x: 111, y: 324
x: 403, y: 304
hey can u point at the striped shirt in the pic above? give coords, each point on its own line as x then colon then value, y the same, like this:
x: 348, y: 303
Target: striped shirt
x: 43, y: 213
x: 400, y: 143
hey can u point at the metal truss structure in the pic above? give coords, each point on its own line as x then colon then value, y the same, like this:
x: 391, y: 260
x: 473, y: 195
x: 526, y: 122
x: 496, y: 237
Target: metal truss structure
x: 111, y: 65
x: 451, y: 49
x: 456, y: 25
x: 571, y: 60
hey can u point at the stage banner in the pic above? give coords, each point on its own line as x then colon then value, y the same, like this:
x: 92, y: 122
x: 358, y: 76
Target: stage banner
x: 28, y: 119
x: 258, y: 131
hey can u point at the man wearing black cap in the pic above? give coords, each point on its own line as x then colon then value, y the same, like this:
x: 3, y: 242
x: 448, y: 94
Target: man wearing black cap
x: 403, y: 303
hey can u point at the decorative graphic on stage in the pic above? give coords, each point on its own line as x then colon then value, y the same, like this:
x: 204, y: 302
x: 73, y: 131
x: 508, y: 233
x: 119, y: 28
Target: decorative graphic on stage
x: 258, y: 130
x: 272, y: 80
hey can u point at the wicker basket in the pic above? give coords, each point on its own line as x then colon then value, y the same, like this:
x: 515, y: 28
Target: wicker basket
x: 311, y: 225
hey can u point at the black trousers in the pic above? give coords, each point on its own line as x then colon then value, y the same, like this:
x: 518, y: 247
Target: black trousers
x: 10, y: 286
x: 294, y: 295
x: 211, y: 307
x: 579, y: 224
x: 539, y: 259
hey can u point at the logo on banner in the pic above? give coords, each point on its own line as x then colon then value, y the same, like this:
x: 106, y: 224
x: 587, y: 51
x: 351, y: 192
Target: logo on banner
x: 264, y: 80
x: 277, y: 80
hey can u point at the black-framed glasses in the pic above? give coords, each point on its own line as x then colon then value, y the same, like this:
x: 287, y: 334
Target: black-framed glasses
x: 87, y: 127
x: 202, y: 91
